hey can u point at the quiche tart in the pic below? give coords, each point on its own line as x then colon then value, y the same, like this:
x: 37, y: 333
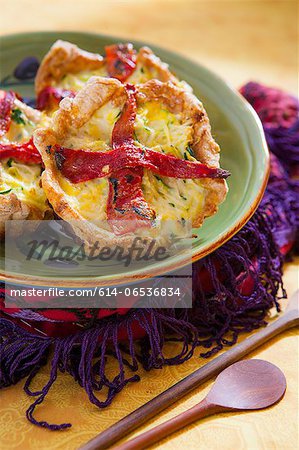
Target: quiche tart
x: 21, y: 192
x: 120, y: 158
x: 66, y: 68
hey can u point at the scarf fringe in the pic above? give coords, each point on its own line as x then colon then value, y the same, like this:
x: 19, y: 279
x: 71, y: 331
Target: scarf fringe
x: 84, y: 355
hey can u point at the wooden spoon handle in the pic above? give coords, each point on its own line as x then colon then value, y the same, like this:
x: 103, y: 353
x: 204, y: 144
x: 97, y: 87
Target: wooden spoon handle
x: 150, y: 437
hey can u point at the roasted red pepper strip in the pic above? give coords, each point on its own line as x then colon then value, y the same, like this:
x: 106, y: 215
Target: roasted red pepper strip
x: 124, y: 165
x: 100, y: 164
x: 103, y: 164
x: 50, y: 97
x: 121, y: 61
x: 26, y: 152
x: 127, y: 209
x: 126, y: 154
x: 6, y: 105
x: 123, y: 130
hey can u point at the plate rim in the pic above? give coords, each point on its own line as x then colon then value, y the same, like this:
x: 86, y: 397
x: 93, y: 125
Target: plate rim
x: 205, y: 250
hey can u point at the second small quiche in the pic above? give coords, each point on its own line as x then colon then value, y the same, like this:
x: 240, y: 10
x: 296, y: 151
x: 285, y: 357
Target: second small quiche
x: 123, y: 157
x: 66, y: 68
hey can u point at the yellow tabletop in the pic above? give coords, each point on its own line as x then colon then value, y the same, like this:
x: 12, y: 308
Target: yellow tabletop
x: 241, y: 41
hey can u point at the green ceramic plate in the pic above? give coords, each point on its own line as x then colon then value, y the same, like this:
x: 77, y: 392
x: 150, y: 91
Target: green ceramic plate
x: 235, y: 127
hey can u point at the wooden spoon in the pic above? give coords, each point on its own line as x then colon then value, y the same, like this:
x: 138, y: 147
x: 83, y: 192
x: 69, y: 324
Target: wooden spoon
x: 245, y: 385
x: 104, y: 440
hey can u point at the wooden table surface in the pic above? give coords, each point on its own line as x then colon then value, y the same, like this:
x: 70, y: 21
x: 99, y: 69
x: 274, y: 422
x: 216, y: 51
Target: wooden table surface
x: 241, y: 41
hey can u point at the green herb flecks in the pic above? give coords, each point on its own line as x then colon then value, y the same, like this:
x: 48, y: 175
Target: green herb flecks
x: 162, y: 181
x: 6, y: 192
x: 135, y: 137
x: 17, y: 117
x: 190, y: 151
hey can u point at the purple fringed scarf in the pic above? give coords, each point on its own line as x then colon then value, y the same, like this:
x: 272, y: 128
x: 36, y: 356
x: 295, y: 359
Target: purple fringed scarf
x: 233, y: 289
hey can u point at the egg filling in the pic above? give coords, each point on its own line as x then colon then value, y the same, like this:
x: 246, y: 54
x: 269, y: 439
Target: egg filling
x: 156, y: 128
x: 16, y: 177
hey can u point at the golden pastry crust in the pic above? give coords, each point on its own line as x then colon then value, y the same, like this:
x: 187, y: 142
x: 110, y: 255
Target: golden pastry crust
x: 14, y: 205
x: 65, y: 58
x: 74, y: 113
x: 11, y: 208
x: 146, y: 58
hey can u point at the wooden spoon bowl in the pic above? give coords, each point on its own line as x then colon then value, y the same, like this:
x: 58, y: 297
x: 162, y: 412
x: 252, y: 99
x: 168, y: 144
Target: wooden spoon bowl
x: 246, y: 385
